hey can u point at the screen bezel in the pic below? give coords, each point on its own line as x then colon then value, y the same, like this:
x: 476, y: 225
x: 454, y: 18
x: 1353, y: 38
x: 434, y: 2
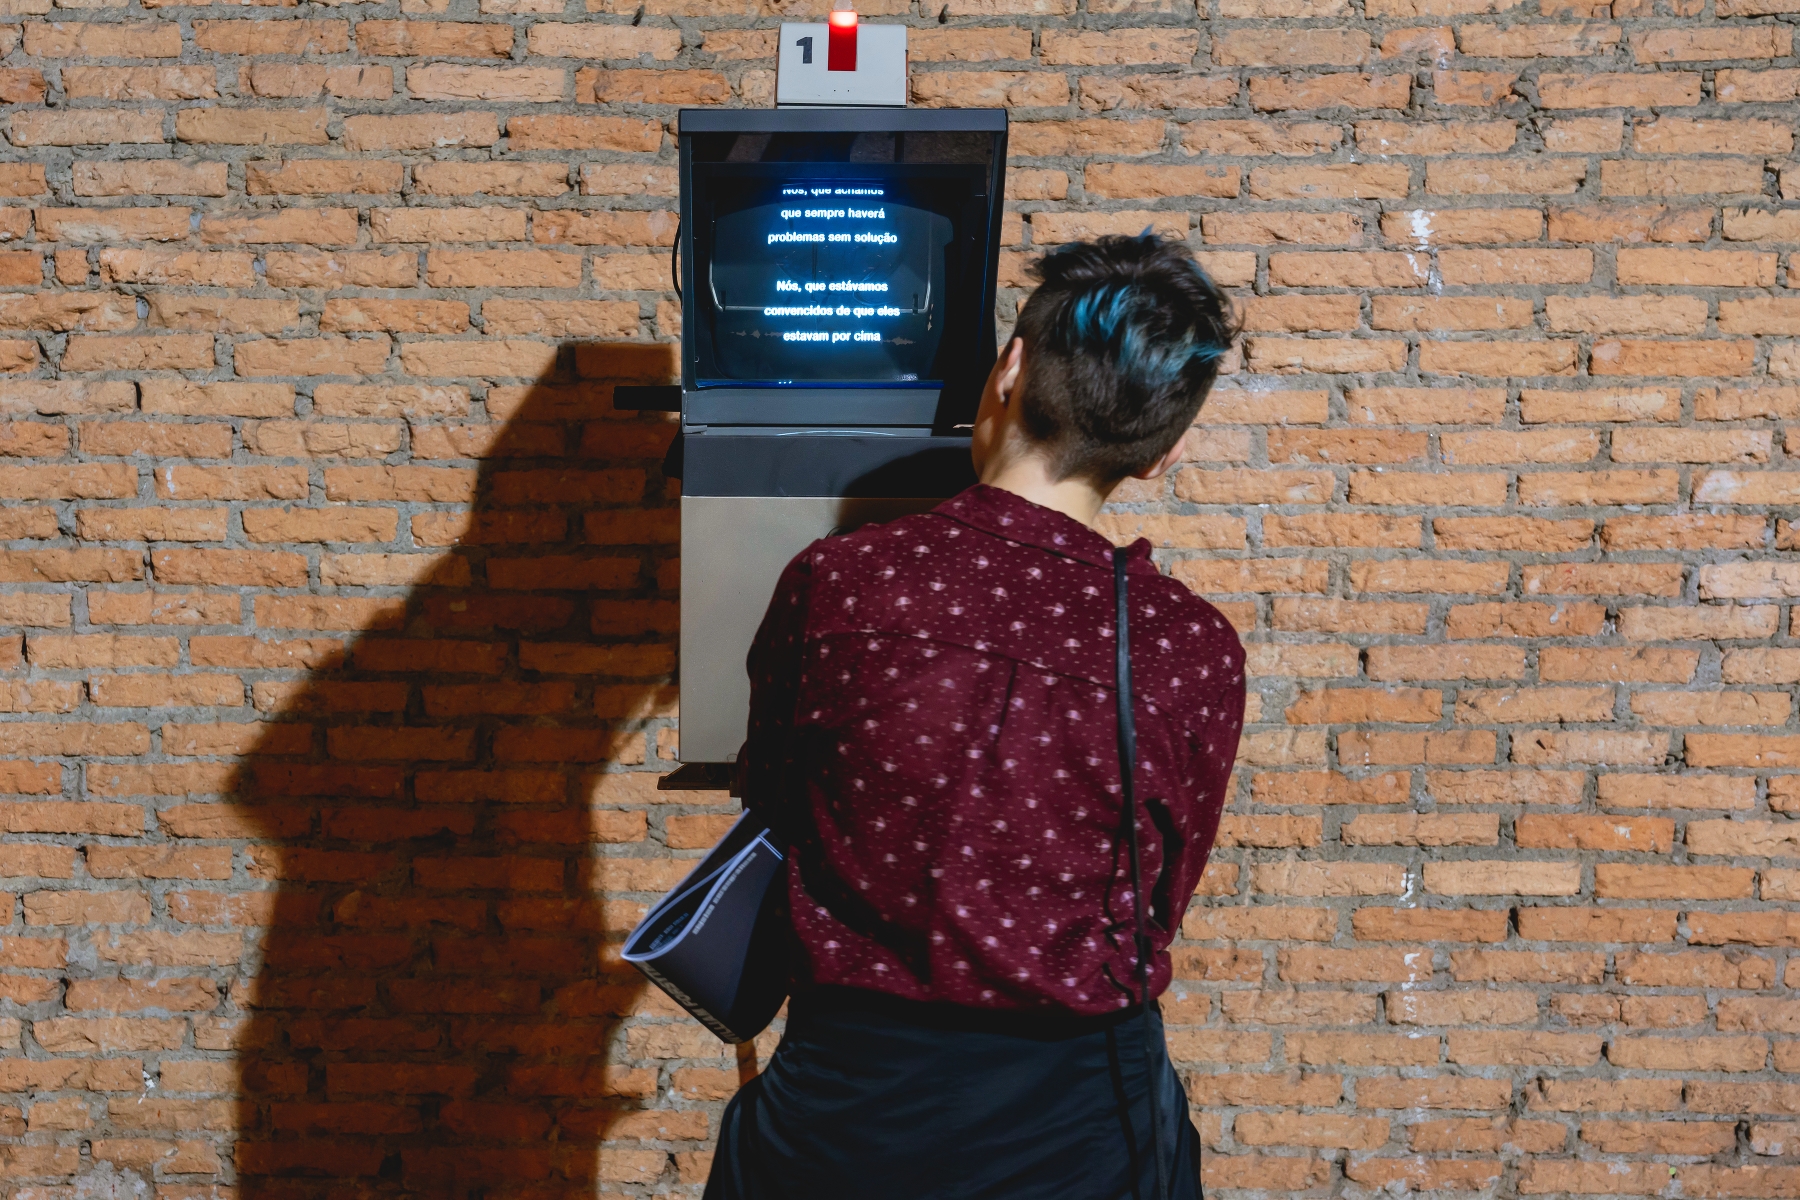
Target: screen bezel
x: 822, y: 402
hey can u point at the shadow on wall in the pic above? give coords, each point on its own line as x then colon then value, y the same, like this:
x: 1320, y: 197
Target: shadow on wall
x: 438, y: 1004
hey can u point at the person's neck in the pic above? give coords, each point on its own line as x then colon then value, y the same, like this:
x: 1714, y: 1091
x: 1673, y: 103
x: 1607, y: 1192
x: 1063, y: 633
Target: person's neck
x: 1028, y: 476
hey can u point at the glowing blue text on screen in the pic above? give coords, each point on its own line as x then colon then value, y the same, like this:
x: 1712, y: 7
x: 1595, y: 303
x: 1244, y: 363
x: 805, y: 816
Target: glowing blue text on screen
x: 840, y: 285
x: 832, y: 335
x: 880, y: 238
x: 828, y: 278
x: 866, y: 237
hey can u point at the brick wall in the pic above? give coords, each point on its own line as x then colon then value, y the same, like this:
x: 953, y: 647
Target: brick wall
x: 337, y: 604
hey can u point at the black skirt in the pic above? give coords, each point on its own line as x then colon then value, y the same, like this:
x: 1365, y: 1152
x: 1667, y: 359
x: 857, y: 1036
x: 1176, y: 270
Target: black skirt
x: 878, y: 1098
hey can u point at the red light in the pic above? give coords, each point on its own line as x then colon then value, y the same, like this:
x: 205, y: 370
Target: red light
x: 840, y: 44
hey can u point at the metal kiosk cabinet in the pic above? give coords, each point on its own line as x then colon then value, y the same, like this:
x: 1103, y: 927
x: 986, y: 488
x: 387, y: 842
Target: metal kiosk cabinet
x: 837, y: 271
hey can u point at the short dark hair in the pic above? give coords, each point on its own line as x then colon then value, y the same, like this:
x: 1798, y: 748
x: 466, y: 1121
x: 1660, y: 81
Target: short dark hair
x: 1123, y: 339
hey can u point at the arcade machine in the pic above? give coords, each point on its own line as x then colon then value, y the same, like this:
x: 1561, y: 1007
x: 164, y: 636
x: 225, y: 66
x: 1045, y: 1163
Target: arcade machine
x: 837, y: 271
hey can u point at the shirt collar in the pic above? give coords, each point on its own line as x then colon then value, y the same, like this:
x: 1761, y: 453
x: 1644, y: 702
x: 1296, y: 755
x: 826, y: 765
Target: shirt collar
x: 1009, y: 515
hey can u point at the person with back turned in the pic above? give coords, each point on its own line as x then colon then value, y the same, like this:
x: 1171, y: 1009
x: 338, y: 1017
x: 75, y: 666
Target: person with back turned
x: 934, y: 729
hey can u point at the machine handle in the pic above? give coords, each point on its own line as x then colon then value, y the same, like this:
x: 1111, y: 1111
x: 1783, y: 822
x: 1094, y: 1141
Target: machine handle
x: 648, y: 397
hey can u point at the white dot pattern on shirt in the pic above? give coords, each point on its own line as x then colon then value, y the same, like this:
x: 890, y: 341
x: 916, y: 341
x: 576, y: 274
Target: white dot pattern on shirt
x: 970, y: 707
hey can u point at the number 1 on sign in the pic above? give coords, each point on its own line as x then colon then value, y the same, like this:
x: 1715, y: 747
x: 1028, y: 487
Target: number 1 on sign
x: 805, y: 45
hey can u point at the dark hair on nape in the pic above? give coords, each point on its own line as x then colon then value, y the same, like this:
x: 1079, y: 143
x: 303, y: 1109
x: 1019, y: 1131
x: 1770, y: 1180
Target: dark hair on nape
x: 1123, y: 339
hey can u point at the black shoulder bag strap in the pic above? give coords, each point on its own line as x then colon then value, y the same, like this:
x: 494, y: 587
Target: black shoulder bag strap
x: 1127, y: 771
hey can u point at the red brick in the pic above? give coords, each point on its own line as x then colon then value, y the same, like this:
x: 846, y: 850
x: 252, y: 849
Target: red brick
x: 1630, y: 223
x: 1503, y: 176
x: 1120, y: 47
x: 1424, y: 1172
x: 1013, y: 89
x: 1604, y: 578
x: 323, y: 226
x: 1739, y: 86
x: 603, y: 41
x: 1482, y: 1134
x: 1274, y: 93
x: 1331, y: 229
x: 1680, y: 135
x: 1106, y: 93
x: 1424, y: 227
x: 1595, y: 833
x: 1400, y: 137
x: 1602, y: 90
x: 1400, y: 575
x: 377, y: 134
x: 925, y: 45
x: 1251, y: 1170
x: 1457, y: 1008
x: 1605, y: 1095
x: 1308, y: 356
x: 253, y: 127
x: 1511, y: 533
x: 1679, y: 177
x: 433, y: 39
x: 1502, y: 878
x: 495, y: 179
x: 62, y: 566
x: 1700, y: 45
x: 1528, y: 446
x: 1434, y: 313
x: 1415, y: 830
x: 1635, y: 882
x: 170, y: 352
x: 85, y: 127
x: 1098, y: 136
x: 1631, y: 1178
x: 1480, y: 88
x: 1711, y: 708
x: 1318, y: 1130
x: 583, y: 133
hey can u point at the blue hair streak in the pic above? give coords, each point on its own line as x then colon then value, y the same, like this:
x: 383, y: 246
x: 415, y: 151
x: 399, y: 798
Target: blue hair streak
x: 1116, y: 321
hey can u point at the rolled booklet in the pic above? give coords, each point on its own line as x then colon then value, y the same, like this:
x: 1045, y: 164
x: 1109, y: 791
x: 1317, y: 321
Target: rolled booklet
x: 718, y: 942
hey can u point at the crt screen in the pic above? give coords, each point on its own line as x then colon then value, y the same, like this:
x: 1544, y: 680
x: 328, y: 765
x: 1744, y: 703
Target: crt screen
x: 829, y: 277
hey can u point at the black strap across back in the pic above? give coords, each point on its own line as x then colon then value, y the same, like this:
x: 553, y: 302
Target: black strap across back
x: 1128, y: 799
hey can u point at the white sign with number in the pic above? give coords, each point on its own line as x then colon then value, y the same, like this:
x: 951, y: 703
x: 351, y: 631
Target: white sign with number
x: 879, y: 78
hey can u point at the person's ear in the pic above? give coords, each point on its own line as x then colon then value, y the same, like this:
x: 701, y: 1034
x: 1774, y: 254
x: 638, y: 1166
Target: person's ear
x: 1163, y: 465
x: 1010, y: 369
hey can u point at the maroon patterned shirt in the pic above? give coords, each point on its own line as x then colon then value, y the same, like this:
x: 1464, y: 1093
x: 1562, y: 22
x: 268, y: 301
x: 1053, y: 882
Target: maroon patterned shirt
x: 933, y: 725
